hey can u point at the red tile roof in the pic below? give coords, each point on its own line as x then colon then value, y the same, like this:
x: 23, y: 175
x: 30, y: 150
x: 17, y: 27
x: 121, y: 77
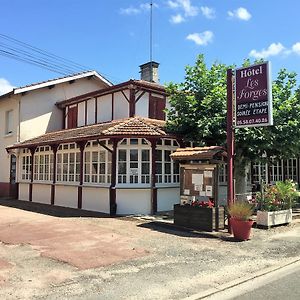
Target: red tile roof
x: 136, y: 126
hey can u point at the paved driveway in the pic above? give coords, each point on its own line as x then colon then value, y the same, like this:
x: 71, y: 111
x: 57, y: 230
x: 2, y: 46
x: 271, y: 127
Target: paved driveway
x: 59, y: 257
x: 79, y: 244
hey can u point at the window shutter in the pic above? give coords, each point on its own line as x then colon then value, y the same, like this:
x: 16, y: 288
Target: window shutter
x: 72, y: 117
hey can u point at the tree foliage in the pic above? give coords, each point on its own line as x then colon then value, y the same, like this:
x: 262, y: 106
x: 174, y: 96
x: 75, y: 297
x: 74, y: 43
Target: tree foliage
x: 198, y: 111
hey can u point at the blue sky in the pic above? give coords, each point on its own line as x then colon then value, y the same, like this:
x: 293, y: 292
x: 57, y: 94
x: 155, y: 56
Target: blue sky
x: 112, y: 36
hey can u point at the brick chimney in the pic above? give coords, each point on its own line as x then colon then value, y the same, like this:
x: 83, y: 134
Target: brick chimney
x: 149, y: 71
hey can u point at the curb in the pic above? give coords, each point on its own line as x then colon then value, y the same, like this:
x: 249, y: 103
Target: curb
x: 225, y: 286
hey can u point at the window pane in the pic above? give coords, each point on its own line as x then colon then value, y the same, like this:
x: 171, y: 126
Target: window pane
x: 134, y: 141
x: 167, y: 155
x: 122, y: 168
x: 134, y: 155
x: 145, y: 168
x: 122, y: 155
x: 158, y: 155
x: 145, y: 155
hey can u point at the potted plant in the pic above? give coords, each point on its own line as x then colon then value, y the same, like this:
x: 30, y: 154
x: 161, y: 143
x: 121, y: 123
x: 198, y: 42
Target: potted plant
x: 240, y: 213
x: 275, y: 203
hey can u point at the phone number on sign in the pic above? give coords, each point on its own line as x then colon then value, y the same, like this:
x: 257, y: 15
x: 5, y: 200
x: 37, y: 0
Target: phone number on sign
x: 252, y: 121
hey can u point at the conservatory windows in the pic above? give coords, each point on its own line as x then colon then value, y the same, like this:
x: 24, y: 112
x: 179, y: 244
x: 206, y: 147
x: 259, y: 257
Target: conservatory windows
x: 25, y: 164
x: 43, y: 164
x: 68, y: 163
x: 133, y: 165
x: 97, y: 163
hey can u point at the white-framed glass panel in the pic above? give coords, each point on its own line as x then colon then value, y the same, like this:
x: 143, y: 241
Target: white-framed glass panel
x: 259, y: 172
x: 291, y: 169
x: 43, y: 164
x: 276, y: 170
x: 97, y: 163
x: 134, y: 162
x: 25, y: 161
x: 68, y: 163
x: 167, y: 170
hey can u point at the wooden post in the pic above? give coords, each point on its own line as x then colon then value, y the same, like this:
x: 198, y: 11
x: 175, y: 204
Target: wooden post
x: 153, y: 177
x: 112, y: 189
x: 216, y: 196
x: 81, y: 147
x: 230, y: 142
x: 131, y: 102
x: 54, y: 149
x: 32, y: 151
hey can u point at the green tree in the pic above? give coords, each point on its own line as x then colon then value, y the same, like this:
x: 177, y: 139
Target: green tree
x: 198, y: 111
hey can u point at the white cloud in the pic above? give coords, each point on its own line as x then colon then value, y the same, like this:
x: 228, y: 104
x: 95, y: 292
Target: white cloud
x: 186, y: 6
x: 173, y: 4
x: 129, y: 11
x: 273, y: 50
x: 241, y: 13
x: 296, y: 48
x: 177, y: 19
x: 5, y: 86
x: 208, y: 12
x: 201, y: 39
x: 137, y: 10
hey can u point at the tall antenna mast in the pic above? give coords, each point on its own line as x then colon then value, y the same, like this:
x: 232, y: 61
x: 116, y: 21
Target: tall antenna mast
x: 151, y: 15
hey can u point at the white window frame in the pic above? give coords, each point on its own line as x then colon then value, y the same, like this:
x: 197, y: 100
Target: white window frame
x: 126, y: 179
x: 63, y: 174
x: 101, y: 178
x: 172, y: 179
x: 43, y: 170
x: 25, y: 165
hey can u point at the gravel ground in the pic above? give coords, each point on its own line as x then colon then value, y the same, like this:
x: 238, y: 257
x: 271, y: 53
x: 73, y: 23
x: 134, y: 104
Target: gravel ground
x: 176, y: 264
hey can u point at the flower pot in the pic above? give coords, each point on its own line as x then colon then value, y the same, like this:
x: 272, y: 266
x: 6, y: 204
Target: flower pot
x: 273, y: 218
x: 241, y: 229
x: 199, y: 218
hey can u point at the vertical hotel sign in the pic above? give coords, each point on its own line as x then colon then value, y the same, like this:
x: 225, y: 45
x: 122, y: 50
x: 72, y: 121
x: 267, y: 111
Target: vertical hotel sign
x: 253, y: 96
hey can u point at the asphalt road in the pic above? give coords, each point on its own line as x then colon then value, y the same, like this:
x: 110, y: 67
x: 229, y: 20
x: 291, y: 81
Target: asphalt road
x: 287, y: 287
x: 281, y: 283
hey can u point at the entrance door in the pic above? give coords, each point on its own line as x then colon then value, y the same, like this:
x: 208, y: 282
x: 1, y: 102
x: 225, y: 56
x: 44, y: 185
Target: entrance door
x: 13, y: 173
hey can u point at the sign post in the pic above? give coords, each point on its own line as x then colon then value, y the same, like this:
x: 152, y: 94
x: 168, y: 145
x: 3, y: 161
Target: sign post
x: 230, y: 142
x: 251, y: 107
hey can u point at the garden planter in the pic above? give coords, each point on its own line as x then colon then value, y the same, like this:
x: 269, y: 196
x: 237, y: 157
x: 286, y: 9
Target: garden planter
x: 198, y: 218
x: 272, y: 218
x: 241, y: 229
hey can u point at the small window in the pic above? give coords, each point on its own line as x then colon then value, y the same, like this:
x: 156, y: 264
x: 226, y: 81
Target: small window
x: 9, y: 122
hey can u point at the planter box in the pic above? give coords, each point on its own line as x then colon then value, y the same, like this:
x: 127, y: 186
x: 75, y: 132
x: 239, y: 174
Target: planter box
x: 272, y: 218
x: 198, y: 218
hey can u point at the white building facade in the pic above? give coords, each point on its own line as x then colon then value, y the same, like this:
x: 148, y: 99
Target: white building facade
x: 30, y: 111
x: 112, y: 154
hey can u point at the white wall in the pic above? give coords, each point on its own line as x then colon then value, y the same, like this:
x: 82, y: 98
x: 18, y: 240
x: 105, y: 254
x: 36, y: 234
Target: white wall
x: 41, y: 193
x: 24, y: 191
x: 7, y: 139
x: 39, y: 113
x: 133, y: 201
x: 66, y: 196
x: 96, y: 199
x: 81, y: 114
x: 104, y: 108
x: 167, y: 197
x: 90, y: 112
x: 121, y: 105
x: 142, y: 106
